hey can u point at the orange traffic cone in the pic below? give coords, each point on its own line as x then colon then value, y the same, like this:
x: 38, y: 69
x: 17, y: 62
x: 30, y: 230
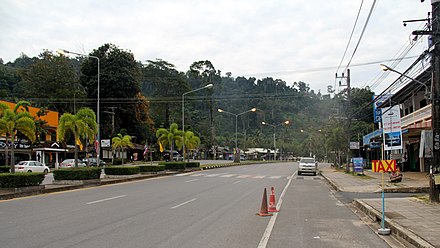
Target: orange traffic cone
x: 264, y: 211
x: 272, y: 204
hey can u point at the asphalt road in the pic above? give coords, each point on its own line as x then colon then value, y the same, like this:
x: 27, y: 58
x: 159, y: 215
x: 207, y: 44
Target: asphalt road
x: 213, y: 208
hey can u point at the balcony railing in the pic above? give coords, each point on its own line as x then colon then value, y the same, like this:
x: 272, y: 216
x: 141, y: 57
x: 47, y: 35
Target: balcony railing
x: 417, y: 116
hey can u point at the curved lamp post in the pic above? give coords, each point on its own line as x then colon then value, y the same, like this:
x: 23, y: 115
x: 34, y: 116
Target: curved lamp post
x: 274, y: 135
x: 236, y: 128
x: 98, y: 137
x: 183, y: 113
x: 427, y: 90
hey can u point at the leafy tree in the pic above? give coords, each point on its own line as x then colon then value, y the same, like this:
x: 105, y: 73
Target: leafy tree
x: 192, y: 141
x: 170, y: 137
x: 120, y: 143
x: 15, y: 121
x: 81, y: 125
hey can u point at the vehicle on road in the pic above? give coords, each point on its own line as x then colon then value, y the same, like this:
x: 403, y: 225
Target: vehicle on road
x: 307, y: 165
x: 92, y: 162
x: 31, y: 166
x: 70, y: 163
x: 176, y: 156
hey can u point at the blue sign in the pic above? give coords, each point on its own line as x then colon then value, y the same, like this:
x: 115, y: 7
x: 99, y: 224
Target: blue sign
x: 358, y: 164
x: 379, y: 100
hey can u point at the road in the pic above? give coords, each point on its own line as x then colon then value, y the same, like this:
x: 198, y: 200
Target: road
x: 213, y: 208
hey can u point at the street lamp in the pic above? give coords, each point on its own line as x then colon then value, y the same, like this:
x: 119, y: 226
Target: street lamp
x: 274, y: 135
x: 427, y: 90
x: 236, y: 128
x: 183, y: 113
x: 98, y: 140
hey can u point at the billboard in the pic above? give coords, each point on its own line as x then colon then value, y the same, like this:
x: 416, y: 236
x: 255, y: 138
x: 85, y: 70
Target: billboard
x: 378, y: 100
x: 391, y: 126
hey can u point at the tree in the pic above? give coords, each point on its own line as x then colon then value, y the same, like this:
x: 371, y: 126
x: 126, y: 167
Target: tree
x: 169, y: 137
x: 80, y: 125
x: 15, y: 121
x: 120, y: 143
x: 192, y: 141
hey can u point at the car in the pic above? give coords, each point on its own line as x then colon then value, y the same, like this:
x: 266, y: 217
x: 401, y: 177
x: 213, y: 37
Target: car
x: 307, y: 165
x: 70, y: 163
x: 176, y: 156
x: 31, y: 166
x: 92, y: 162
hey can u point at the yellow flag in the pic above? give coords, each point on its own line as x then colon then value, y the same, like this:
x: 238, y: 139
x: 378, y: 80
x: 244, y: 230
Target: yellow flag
x: 160, y: 147
x: 78, y: 142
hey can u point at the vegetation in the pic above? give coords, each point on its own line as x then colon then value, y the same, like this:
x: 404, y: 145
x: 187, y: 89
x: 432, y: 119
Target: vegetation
x: 151, y: 168
x: 85, y: 173
x: 120, y: 143
x: 17, y: 180
x: 146, y: 98
x: 122, y: 170
x: 82, y: 125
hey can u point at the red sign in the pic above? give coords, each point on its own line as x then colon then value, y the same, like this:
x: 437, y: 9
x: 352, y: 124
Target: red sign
x: 97, y: 146
x: 383, y: 165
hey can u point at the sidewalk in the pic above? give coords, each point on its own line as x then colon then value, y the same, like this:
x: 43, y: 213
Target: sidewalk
x: 411, y: 219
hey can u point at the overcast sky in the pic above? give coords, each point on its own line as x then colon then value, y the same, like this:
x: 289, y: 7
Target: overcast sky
x: 293, y: 40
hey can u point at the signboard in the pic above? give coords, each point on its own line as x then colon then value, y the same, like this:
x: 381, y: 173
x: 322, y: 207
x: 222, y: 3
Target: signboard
x: 377, y: 112
x: 426, y: 143
x: 358, y: 164
x: 354, y: 145
x: 383, y: 165
x: 105, y: 143
x: 391, y: 126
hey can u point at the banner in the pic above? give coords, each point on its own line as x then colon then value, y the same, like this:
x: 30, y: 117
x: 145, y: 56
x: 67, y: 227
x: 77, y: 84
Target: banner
x: 383, y: 165
x: 391, y: 126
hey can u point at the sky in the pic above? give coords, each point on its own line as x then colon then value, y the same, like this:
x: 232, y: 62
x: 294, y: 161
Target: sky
x: 294, y: 40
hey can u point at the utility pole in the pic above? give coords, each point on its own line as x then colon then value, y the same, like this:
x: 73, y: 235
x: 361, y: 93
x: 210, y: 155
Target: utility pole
x: 435, y: 106
x: 347, y: 167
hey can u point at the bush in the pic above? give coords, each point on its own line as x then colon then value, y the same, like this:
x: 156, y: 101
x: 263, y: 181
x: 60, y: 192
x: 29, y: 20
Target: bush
x: 122, y: 170
x: 192, y: 164
x: 173, y: 165
x: 151, y: 168
x: 85, y: 173
x: 118, y: 161
x: 17, y: 180
x: 4, y: 169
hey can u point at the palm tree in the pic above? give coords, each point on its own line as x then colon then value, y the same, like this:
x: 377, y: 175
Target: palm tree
x: 13, y: 122
x: 169, y: 137
x: 81, y: 125
x: 121, y: 143
x: 192, y: 141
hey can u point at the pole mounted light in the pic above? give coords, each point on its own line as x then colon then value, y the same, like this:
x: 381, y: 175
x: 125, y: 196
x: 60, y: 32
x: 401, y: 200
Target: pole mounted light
x: 274, y: 135
x: 427, y: 90
x: 236, y: 127
x: 183, y: 113
x: 98, y: 137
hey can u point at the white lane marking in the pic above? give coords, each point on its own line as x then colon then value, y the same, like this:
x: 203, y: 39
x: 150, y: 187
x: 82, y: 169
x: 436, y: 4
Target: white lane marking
x: 212, y: 175
x: 271, y: 224
x: 107, y: 199
x: 230, y: 175
x: 191, y: 180
x: 259, y: 177
x: 275, y: 177
x: 196, y: 175
x: 243, y: 176
x: 237, y: 182
x: 184, y: 174
x: 184, y: 203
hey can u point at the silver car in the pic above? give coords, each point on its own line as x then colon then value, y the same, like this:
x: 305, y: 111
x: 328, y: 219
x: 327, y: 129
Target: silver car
x: 307, y: 165
x: 70, y: 163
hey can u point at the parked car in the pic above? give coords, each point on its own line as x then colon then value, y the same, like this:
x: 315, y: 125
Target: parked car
x: 176, y: 156
x: 307, y: 165
x: 92, y: 162
x: 70, y: 163
x: 31, y: 166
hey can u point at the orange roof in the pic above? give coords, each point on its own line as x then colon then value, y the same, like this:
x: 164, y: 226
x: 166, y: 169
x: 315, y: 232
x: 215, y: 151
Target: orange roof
x: 51, y: 117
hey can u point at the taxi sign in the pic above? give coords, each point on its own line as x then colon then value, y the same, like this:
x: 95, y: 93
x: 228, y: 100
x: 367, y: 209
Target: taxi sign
x: 383, y: 165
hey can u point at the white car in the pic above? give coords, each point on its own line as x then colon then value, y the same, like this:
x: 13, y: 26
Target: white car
x: 31, y: 166
x: 70, y: 163
x: 307, y: 165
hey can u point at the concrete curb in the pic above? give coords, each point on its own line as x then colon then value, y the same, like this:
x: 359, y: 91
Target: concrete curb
x: 332, y: 184
x: 396, y: 229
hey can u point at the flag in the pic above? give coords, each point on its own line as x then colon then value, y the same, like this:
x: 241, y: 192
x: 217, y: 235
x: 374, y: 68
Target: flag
x: 78, y: 142
x: 160, y: 147
x: 145, y: 150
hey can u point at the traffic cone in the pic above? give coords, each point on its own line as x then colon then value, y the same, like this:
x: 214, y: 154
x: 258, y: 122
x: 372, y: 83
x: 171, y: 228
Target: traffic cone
x: 263, y: 210
x: 272, y: 204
